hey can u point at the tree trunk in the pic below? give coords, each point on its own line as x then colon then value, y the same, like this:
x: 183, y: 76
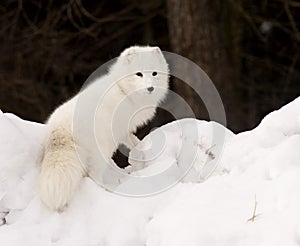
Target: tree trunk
x: 208, y: 33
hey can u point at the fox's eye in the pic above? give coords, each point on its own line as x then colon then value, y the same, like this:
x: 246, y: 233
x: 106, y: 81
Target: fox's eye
x: 154, y: 73
x: 139, y: 74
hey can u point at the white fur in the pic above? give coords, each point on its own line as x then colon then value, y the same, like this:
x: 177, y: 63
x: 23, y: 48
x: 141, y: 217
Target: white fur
x: 126, y: 106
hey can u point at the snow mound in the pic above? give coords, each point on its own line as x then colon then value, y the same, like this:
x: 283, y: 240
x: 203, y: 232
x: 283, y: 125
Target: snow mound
x: 261, y: 166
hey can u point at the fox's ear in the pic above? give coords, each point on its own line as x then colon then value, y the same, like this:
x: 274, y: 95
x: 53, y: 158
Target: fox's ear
x: 127, y: 55
x: 157, y: 49
x: 128, y: 51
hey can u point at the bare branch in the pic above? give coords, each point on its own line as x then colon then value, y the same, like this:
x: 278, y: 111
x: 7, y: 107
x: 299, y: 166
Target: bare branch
x: 291, y: 18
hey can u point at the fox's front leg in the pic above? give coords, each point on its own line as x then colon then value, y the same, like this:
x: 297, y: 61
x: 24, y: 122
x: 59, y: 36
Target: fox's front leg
x: 136, y: 163
x: 131, y: 141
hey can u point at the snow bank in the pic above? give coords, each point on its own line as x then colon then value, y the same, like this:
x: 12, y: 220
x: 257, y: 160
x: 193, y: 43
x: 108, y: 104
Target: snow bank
x: 262, y: 165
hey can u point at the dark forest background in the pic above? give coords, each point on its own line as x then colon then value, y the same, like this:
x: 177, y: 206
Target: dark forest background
x: 250, y: 50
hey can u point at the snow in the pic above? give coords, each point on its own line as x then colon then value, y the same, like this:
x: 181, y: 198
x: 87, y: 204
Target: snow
x: 210, y: 206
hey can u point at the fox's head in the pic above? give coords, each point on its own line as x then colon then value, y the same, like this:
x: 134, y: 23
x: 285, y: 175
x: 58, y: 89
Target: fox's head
x: 142, y: 71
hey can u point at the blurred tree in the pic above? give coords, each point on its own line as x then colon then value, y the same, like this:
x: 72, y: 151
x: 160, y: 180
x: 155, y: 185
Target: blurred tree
x: 249, y: 48
x: 270, y: 56
x: 208, y: 32
x: 49, y: 48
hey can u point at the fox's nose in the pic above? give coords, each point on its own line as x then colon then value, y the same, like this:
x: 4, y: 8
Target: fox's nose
x: 150, y: 89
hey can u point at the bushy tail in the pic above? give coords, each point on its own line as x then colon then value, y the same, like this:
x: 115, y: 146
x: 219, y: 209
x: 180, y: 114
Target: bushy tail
x: 61, y: 170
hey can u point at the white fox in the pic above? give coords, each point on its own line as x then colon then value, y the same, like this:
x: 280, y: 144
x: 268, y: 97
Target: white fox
x: 139, y: 83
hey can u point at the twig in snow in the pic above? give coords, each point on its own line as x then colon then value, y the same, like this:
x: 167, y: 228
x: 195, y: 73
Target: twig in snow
x: 210, y: 154
x: 254, y: 215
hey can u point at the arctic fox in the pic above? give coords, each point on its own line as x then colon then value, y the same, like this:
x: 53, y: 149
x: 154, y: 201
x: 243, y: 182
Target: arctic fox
x: 139, y: 83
